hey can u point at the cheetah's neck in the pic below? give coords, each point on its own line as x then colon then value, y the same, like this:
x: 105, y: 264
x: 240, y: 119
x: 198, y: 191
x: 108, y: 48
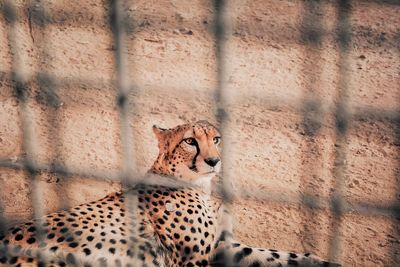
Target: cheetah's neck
x: 204, y: 182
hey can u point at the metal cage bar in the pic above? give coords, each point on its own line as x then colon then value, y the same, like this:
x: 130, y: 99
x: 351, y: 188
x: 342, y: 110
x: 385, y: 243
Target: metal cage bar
x: 21, y: 93
x: 342, y: 123
x: 311, y: 38
x: 128, y: 177
x: 220, y: 101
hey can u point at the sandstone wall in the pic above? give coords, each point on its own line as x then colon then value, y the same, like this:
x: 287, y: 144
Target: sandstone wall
x: 272, y: 76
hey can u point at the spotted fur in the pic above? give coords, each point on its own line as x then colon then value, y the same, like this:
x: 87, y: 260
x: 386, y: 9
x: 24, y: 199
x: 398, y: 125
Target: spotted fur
x: 172, y: 226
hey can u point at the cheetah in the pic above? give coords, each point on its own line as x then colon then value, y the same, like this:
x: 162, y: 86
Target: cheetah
x: 173, y: 223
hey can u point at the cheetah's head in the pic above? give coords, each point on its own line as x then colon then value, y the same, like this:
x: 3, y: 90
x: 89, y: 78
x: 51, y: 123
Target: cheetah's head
x: 188, y: 151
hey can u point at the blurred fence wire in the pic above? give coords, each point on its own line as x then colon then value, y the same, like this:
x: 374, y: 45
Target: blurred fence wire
x: 312, y: 36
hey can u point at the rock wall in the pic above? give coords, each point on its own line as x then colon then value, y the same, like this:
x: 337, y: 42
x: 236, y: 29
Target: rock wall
x: 282, y: 91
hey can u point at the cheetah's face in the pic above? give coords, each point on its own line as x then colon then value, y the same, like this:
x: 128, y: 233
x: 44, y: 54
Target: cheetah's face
x: 190, y: 150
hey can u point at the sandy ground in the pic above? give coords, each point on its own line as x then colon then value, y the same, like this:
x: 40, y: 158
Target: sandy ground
x: 278, y: 88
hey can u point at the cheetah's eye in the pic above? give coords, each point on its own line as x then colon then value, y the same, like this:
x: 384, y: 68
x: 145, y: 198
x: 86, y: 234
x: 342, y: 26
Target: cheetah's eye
x: 190, y: 141
x: 217, y: 140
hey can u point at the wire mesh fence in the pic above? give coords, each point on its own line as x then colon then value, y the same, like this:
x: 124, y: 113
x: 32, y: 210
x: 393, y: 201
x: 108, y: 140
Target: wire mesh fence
x: 309, y: 107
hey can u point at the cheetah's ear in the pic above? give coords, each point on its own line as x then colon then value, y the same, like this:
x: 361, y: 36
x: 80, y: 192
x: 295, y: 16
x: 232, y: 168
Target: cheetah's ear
x: 159, y: 132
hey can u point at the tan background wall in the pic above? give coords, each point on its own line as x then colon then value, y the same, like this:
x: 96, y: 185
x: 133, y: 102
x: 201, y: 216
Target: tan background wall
x: 270, y: 74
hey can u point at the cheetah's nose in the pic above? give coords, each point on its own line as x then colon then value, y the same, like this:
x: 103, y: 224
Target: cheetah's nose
x: 212, y: 161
